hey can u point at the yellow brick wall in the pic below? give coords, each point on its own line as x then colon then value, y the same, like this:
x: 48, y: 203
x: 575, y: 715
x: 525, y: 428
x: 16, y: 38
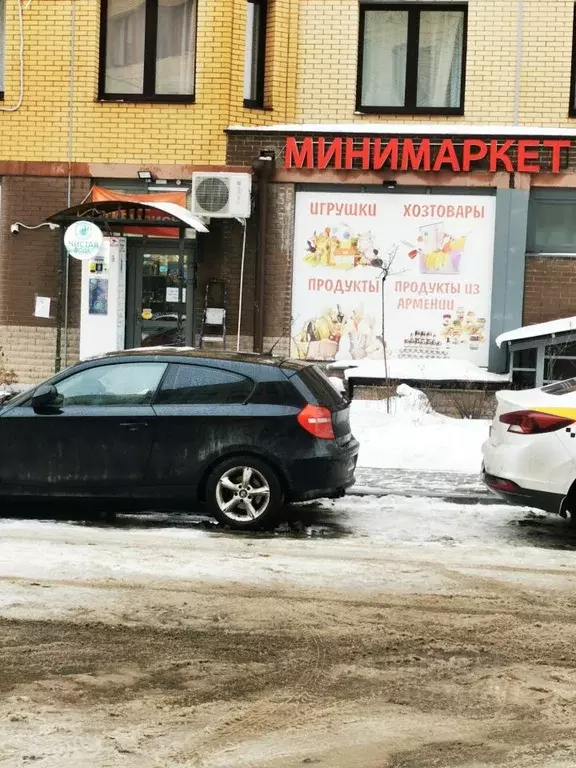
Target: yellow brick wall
x: 311, y: 77
x: 328, y: 36
x: 134, y: 133
x: 328, y: 49
x: 546, y: 63
x: 281, y: 64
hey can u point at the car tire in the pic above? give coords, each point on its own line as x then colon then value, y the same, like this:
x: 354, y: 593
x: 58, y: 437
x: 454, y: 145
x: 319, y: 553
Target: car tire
x: 244, y: 493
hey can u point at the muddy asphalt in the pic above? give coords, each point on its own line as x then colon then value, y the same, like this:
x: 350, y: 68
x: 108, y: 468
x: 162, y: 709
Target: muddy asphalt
x: 168, y: 643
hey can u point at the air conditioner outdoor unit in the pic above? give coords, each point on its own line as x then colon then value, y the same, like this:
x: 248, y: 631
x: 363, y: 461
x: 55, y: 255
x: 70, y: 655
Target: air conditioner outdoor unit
x: 221, y: 195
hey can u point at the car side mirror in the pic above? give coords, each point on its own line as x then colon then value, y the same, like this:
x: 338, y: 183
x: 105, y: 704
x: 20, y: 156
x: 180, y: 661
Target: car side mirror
x: 45, y: 395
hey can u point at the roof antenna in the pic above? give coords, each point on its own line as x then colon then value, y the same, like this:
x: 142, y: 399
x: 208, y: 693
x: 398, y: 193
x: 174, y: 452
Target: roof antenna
x: 285, y: 332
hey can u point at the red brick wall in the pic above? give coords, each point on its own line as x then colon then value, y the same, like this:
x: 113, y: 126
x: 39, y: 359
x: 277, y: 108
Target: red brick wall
x: 220, y: 258
x: 279, y: 243
x: 550, y: 289
x: 30, y: 260
x: 220, y: 254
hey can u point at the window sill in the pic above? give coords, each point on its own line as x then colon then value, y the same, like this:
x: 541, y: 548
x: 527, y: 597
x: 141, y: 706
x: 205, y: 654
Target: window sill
x: 254, y: 104
x: 449, y: 111
x: 136, y: 99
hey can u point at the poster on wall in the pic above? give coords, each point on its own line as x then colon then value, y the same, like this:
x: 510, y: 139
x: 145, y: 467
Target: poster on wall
x: 437, y: 297
x: 98, y: 296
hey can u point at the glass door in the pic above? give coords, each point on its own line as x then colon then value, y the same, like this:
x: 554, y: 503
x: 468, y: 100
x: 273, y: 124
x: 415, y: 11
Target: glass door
x: 160, y: 311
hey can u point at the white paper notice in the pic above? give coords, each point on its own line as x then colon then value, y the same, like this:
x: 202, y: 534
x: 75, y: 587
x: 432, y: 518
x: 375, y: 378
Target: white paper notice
x: 42, y: 306
x: 172, y: 294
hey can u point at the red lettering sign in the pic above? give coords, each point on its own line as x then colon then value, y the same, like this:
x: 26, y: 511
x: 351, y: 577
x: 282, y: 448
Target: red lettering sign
x: 470, y: 156
x: 416, y: 159
x: 417, y: 155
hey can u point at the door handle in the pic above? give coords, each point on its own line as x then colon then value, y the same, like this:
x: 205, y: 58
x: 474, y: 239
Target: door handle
x: 134, y: 426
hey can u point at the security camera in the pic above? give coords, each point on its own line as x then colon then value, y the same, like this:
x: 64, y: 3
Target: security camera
x: 14, y: 228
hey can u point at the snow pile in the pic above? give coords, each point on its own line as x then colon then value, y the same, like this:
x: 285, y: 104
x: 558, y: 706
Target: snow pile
x: 338, y: 384
x: 428, y: 370
x: 414, y: 437
x: 550, y: 328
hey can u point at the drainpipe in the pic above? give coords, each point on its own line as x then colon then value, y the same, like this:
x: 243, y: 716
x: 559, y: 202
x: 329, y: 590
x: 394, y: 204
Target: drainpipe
x: 60, y: 304
x: 263, y: 167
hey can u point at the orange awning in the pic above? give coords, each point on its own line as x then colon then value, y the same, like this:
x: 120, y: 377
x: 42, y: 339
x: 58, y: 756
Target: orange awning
x: 101, y: 194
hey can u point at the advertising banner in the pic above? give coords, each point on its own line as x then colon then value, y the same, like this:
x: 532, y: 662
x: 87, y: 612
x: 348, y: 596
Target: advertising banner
x: 439, y: 252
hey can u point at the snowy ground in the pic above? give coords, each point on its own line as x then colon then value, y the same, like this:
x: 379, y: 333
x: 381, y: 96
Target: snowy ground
x: 369, y: 632
x: 414, y: 438
x: 382, y: 633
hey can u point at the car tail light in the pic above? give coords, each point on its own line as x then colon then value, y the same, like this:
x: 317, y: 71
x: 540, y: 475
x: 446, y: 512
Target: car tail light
x: 317, y: 421
x: 534, y: 422
x: 499, y: 484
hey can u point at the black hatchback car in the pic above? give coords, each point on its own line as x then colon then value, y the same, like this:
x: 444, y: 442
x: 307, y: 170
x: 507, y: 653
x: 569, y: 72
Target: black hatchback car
x: 242, y: 433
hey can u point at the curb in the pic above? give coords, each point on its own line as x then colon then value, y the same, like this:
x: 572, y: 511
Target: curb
x: 452, y: 497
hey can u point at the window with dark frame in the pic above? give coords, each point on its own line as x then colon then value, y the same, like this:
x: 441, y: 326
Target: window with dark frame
x: 255, y: 54
x: 551, y: 223
x: 147, y: 50
x: 412, y: 58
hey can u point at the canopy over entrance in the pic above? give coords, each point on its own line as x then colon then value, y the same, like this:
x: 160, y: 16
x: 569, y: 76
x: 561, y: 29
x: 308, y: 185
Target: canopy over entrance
x: 161, y: 215
x: 116, y: 216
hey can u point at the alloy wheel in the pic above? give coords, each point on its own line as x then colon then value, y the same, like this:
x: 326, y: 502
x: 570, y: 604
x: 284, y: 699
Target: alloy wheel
x: 243, y: 494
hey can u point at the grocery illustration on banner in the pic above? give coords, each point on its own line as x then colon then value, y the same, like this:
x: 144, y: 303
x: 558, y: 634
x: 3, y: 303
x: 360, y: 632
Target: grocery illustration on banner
x: 438, y: 292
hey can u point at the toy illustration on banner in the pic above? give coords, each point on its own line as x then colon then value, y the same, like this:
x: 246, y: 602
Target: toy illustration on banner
x: 338, y: 247
x: 439, y: 253
x: 98, y: 296
x: 147, y: 314
x: 83, y: 240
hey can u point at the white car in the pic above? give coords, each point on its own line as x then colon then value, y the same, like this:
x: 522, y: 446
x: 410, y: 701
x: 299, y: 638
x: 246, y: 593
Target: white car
x: 530, y: 456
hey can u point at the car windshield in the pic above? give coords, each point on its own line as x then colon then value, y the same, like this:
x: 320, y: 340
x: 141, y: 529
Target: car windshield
x: 561, y: 387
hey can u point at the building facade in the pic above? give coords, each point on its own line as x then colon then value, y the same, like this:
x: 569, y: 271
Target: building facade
x: 431, y: 144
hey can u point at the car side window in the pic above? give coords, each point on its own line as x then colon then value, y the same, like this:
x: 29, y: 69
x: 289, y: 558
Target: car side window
x: 200, y: 385
x: 114, y: 384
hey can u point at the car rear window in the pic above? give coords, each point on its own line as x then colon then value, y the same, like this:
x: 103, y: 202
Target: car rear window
x: 276, y: 393
x: 561, y: 387
x: 201, y: 385
x: 319, y: 384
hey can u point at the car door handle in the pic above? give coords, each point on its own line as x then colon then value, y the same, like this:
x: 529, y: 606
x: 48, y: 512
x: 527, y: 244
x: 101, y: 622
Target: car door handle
x: 134, y: 426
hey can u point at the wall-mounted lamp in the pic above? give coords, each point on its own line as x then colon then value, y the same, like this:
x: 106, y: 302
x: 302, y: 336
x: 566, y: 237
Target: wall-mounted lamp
x: 264, y: 163
x: 146, y: 176
x: 390, y: 183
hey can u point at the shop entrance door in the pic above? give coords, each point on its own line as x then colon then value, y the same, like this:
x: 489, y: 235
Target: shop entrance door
x: 160, y: 295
